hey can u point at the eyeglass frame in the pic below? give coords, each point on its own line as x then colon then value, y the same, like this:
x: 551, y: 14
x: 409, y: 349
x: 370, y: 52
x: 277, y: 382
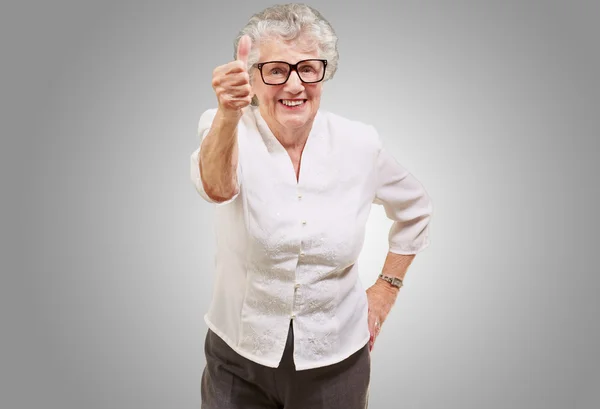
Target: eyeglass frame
x: 293, y: 67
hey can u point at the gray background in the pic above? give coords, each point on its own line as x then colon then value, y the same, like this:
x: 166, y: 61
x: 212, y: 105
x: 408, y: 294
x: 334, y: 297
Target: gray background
x: 107, y: 250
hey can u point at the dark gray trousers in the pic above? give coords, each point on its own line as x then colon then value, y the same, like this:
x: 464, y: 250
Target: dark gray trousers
x: 230, y: 381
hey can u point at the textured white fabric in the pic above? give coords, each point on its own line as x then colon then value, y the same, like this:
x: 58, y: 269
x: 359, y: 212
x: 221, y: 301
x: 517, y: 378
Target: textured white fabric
x: 287, y: 249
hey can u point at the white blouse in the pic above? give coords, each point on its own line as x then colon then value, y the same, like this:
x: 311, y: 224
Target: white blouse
x: 287, y: 249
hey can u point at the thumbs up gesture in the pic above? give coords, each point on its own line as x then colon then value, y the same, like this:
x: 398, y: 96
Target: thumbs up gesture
x: 231, y: 81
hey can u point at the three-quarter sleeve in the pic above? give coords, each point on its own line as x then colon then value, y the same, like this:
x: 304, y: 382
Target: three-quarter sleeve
x: 405, y: 202
x: 204, y: 125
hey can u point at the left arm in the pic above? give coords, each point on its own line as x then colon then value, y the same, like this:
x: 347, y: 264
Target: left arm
x: 409, y: 206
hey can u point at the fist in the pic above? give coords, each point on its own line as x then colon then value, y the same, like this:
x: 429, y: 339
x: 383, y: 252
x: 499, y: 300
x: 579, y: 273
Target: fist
x: 231, y: 81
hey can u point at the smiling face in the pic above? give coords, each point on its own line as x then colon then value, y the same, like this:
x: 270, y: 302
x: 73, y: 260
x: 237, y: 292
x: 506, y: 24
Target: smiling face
x: 290, y: 107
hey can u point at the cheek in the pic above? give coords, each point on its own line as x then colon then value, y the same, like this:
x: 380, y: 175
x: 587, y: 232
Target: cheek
x: 265, y: 96
x: 316, y: 93
x: 266, y: 93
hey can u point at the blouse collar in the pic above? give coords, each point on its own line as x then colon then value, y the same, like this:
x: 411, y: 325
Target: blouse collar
x: 269, y: 139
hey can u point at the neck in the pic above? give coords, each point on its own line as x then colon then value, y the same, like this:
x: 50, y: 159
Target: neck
x: 290, y: 139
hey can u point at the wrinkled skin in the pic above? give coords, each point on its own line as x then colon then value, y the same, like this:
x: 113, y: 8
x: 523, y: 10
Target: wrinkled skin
x: 381, y: 298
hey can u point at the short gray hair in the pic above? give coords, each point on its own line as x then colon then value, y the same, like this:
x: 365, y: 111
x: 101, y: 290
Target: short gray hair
x: 288, y: 22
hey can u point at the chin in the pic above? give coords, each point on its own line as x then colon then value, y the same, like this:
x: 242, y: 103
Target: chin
x: 296, y: 119
x: 293, y: 123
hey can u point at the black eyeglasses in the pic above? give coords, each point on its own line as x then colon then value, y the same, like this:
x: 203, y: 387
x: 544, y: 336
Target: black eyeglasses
x: 278, y: 72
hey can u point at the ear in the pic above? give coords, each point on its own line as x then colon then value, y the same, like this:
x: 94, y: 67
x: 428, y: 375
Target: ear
x: 252, y: 93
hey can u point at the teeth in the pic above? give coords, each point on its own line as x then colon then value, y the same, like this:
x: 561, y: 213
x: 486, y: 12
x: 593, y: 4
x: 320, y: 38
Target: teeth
x: 292, y: 103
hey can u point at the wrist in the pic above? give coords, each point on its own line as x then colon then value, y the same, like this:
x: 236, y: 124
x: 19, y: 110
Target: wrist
x: 387, y: 287
x: 393, y: 281
x: 229, y: 116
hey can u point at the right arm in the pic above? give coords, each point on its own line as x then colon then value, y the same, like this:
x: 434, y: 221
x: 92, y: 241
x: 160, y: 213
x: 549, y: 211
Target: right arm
x: 219, y: 156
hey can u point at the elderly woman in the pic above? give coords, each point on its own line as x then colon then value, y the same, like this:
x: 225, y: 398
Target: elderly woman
x: 290, y: 324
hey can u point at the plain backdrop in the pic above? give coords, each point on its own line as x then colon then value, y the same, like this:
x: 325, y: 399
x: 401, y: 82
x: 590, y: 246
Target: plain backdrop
x: 108, y: 251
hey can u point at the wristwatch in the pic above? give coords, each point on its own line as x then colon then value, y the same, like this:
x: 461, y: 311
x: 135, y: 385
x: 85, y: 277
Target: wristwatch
x: 395, y: 281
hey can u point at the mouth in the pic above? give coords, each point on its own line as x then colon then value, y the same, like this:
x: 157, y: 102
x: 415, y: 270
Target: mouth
x: 292, y: 103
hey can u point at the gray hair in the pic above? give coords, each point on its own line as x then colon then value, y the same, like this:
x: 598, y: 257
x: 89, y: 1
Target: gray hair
x: 288, y: 22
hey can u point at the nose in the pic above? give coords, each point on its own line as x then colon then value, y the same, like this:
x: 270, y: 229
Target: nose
x: 294, y: 84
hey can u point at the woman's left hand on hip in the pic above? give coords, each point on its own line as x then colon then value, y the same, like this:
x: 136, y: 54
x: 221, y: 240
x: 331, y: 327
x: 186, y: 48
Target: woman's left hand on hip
x: 381, y: 299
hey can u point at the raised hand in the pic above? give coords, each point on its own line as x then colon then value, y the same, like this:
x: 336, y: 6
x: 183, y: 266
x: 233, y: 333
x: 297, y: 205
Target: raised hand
x: 231, y: 81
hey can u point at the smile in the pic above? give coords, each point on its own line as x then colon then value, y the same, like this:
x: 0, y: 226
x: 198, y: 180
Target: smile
x: 292, y: 102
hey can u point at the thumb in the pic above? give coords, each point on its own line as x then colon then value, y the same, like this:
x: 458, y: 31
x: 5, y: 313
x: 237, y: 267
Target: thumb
x: 244, y: 46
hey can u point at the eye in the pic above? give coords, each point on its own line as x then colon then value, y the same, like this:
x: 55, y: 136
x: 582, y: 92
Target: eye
x: 307, y: 69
